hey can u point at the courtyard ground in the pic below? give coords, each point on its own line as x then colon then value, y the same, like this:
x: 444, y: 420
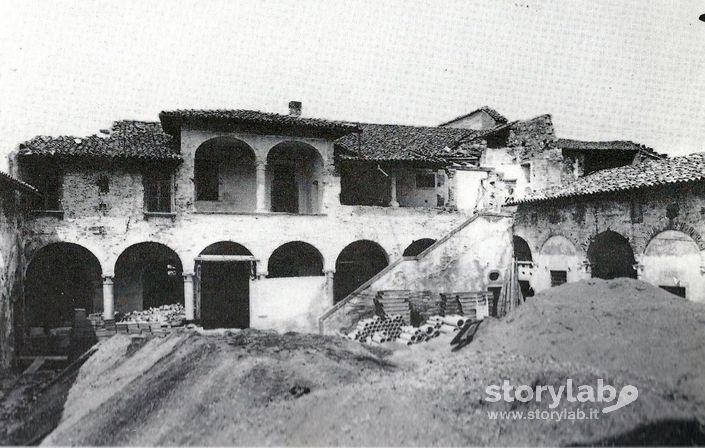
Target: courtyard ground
x: 261, y: 388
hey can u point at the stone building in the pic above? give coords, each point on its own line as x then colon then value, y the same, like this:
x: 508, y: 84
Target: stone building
x: 642, y: 221
x: 14, y: 199
x: 262, y: 220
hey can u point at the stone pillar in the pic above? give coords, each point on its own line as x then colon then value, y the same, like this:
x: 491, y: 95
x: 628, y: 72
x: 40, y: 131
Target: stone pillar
x: 108, y: 298
x: 452, y: 190
x: 189, y: 299
x: 393, y: 189
x: 329, y: 291
x: 261, y: 169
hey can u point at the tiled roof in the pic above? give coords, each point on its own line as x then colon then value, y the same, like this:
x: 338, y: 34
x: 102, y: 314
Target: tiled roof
x: 16, y: 184
x: 616, y: 145
x: 128, y: 139
x: 496, y: 116
x: 387, y: 142
x: 272, y: 123
x: 650, y: 173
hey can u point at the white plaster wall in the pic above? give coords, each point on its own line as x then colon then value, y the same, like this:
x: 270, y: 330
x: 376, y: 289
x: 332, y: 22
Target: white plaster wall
x: 287, y: 304
x: 469, y: 188
x: 557, y: 254
x: 673, y: 259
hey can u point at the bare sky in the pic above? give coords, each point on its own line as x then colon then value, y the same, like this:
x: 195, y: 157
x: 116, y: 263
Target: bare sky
x: 604, y: 69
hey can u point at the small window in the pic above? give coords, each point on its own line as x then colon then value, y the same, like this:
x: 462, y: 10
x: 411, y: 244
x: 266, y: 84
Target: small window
x: 677, y: 290
x: 49, y: 185
x: 206, y: 172
x: 158, y: 191
x: 425, y: 180
x: 103, y: 184
x: 526, y: 169
x: 558, y: 278
x: 635, y: 212
x: 494, y: 276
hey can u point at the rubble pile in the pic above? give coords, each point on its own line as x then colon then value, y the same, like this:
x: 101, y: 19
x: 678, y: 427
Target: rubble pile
x: 166, y: 314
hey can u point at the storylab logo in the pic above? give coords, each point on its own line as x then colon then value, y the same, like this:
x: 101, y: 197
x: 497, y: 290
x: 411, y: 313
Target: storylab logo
x: 603, y: 395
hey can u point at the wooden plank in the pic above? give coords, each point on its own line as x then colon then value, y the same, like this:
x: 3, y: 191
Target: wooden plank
x: 36, y: 365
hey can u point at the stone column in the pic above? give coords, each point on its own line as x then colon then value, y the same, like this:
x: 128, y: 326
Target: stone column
x: 261, y: 169
x: 189, y: 299
x: 108, y: 298
x: 393, y: 189
x: 452, y: 190
x: 329, y: 291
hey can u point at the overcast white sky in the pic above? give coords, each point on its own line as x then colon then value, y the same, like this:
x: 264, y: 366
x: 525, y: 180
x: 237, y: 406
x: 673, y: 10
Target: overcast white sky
x: 604, y: 69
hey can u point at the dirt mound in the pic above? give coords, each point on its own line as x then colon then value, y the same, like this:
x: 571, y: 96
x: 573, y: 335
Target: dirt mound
x: 259, y: 388
x: 622, y: 326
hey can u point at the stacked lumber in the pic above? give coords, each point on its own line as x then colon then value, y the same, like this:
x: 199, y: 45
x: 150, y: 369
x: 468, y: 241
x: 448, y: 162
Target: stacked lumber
x: 449, y: 304
x: 395, y: 303
x: 377, y: 330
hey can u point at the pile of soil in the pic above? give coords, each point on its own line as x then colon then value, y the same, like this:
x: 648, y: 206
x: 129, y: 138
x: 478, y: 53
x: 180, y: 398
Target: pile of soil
x: 259, y: 388
x: 621, y: 326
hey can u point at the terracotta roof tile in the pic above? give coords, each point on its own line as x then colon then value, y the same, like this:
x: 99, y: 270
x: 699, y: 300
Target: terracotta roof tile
x: 650, y: 173
x: 387, y: 142
x: 173, y: 120
x: 615, y: 145
x: 128, y: 140
x: 16, y: 184
x: 496, y: 116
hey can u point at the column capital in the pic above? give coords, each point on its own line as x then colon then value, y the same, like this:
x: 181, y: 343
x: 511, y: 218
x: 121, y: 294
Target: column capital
x: 188, y: 276
x: 108, y: 279
x: 329, y: 272
x: 260, y: 164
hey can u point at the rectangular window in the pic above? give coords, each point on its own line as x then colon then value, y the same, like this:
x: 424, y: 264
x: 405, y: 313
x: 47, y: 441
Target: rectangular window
x: 158, y: 192
x: 526, y: 170
x: 677, y: 290
x: 558, y: 278
x: 635, y: 211
x: 425, y: 180
x: 207, y: 173
x: 48, y: 182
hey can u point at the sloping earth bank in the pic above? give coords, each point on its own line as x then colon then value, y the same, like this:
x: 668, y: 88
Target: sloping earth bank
x: 258, y: 388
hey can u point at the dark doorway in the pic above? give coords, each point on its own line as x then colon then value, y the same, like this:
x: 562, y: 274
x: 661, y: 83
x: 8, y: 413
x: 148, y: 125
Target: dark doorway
x: 223, y: 285
x: 162, y: 285
x: 225, y: 294
x: 60, y: 278
x: 285, y: 192
x: 495, y: 290
x: 526, y: 289
x: 356, y: 264
x: 418, y: 246
x: 611, y: 256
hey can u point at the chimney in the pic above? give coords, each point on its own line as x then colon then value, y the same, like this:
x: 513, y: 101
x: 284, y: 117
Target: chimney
x: 295, y: 108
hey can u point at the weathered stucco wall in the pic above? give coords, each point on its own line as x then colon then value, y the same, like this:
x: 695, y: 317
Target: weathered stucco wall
x: 11, y: 268
x: 108, y: 223
x: 665, y: 228
x: 462, y: 262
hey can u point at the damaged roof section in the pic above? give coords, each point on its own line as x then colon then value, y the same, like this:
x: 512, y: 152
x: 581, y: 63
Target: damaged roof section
x: 496, y: 116
x: 650, y: 173
x: 391, y: 142
x: 253, y: 121
x: 127, y: 139
x: 615, y: 145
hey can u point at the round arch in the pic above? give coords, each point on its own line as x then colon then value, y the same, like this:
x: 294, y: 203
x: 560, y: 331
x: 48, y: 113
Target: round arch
x: 522, y: 251
x: 225, y: 175
x: 295, y: 259
x: 611, y: 256
x: 294, y: 178
x: 558, y: 260
x: 672, y: 260
x: 147, y: 274
x: 358, y: 262
x: 59, y: 278
x: 418, y: 246
x: 225, y: 248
